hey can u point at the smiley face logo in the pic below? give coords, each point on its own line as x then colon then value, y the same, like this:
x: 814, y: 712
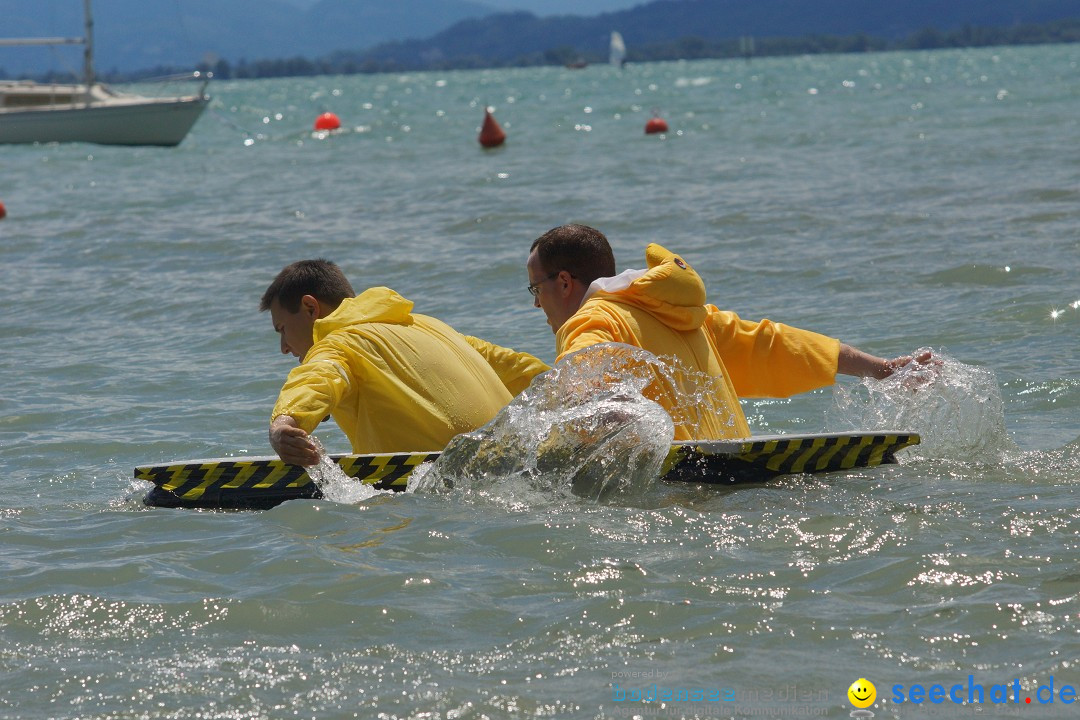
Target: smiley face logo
x: 862, y: 693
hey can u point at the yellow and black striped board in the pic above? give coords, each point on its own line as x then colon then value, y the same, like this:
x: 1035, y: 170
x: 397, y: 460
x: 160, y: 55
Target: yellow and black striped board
x: 263, y: 482
x: 756, y: 459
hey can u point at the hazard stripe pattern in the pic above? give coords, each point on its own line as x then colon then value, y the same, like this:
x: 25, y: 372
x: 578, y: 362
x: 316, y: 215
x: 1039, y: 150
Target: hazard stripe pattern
x: 192, y: 482
x: 760, y: 460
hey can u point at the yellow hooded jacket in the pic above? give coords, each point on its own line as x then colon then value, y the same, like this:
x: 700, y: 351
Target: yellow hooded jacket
x: 664, y: 312
x: 396, y: 381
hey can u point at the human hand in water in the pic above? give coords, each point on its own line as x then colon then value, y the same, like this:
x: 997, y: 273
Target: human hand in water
x: 853, y: 361
x: 292, y: 444
x: 923, y: 358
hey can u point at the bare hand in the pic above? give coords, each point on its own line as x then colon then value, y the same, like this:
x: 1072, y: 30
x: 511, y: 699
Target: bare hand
x: 926, y: 357
x: 853, y: 361
x: 292, y: 443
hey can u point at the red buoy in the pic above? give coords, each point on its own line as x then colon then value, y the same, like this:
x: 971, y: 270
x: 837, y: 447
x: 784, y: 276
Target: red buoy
x: 656, y: 124
x: 3, y: 211
x: 327, y: 121
x: 491, y: 135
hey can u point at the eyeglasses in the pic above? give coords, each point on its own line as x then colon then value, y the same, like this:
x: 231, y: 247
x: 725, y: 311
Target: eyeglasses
x: 534, y: 289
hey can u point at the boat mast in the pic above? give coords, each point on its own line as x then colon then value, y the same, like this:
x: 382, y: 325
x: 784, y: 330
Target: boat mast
x: 88, y: 47
x: 87, y: 41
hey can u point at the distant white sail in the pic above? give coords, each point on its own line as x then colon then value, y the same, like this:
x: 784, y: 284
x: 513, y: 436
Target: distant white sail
x: 618, y: 49
x: 746, y: 46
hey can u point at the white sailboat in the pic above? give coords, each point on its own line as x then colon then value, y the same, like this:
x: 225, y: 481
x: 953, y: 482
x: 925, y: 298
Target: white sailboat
x: 91, y: 111
x: 617, y: 53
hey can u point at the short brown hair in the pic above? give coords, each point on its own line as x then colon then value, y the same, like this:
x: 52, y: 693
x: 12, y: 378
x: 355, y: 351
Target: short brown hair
x: 582, y: 251
x: 321, y: 279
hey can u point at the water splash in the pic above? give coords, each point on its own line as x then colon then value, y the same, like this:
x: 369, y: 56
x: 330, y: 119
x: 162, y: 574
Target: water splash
x: 584, y: 429
x: 956, y: 408
x: 334, y: 484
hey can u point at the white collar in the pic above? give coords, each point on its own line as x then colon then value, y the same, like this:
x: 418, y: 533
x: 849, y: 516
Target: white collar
x: 614, y: 284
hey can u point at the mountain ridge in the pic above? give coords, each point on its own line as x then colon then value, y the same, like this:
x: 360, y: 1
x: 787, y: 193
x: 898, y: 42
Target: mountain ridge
x: 508, y: 36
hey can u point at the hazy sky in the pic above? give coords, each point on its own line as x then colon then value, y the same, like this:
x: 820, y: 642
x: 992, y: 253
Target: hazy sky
x: 557, y: 7
x: 542, y: 7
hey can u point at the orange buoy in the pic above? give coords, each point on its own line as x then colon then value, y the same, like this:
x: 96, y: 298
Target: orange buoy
x: 327, y: 121
x: 491, y: 135
x: 656, y: 124
x: 3, y: 211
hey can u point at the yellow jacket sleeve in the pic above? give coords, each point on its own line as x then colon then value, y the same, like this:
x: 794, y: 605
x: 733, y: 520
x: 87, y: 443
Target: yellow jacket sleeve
x: 313, y: 389
x: 515, y: 369
x: 599, y: 325
x: 767, y: 359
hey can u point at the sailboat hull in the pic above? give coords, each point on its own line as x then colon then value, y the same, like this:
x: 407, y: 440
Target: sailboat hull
x: 135, y: 121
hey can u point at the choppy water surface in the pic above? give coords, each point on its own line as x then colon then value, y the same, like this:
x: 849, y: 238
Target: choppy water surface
x: 895, y: 201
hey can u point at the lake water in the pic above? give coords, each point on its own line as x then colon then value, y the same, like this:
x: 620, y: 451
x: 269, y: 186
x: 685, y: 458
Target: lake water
x: 895, y: 201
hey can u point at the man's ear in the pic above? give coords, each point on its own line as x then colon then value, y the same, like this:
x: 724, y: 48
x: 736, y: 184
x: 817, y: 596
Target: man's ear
x: 567, y: 280
x: 571, y: 289
x: 309, y: 304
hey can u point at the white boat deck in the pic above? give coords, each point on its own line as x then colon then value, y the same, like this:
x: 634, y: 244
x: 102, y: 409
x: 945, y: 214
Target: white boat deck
x: 43, y: 112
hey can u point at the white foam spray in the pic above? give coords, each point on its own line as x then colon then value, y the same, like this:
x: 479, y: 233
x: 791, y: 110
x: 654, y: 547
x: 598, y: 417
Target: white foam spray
x: 583, y: 429
x: 956, y: 408
x: 334, y: 484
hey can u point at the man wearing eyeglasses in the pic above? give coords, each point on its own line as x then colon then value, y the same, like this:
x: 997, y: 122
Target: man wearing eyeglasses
x: 662, y: 309
x: 394, y: 380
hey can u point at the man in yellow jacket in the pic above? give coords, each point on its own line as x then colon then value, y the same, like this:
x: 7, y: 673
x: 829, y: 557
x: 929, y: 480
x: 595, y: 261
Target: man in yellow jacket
x: 662, y: 309
x: 394, y: 380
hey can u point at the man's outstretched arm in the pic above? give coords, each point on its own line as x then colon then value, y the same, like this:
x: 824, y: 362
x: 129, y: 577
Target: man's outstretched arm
x: 853, y: 361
